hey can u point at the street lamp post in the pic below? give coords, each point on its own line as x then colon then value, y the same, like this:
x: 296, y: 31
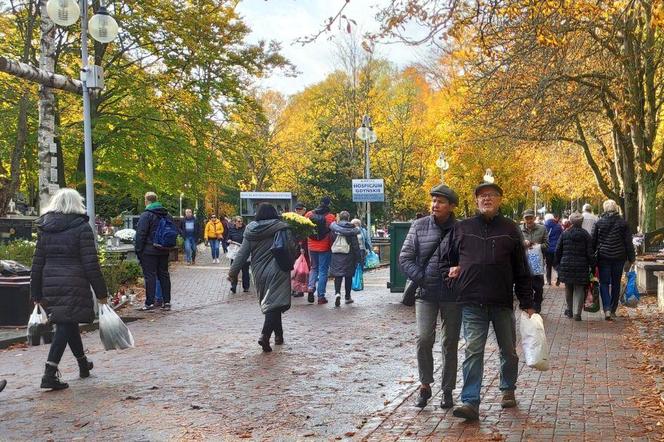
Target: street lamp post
x: 443, y: 165
x: 104, y: 29
x: 367, y: 134
x: 535, y: 189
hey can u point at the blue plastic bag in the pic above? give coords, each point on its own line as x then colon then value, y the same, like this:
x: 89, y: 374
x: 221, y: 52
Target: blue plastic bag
x: 631, y: 290
x: 358, y: 279
x: 372, y: 260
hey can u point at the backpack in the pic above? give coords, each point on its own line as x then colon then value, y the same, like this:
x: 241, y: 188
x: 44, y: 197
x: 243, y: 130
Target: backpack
x: 283, y: 251
x: 166, y: 234
x: 322, y: 228
x: 340, y: 245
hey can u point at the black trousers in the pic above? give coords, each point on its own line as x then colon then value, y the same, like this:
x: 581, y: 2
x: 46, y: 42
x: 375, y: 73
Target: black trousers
x: 245, y: 277
x: 348, y: 284
x: 156, y: 267
x: 65, y: 333
x: 549, y: 256
x: 272, y: 324
x: 538, y: 292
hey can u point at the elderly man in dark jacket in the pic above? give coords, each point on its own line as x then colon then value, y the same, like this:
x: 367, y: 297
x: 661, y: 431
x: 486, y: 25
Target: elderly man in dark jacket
x: 424, y: 258
x: 489, y: 268
x: 574, y: 259
x: 535, y: 236
x: 154, y: 261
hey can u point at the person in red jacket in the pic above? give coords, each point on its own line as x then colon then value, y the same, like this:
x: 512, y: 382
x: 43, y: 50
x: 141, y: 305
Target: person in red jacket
x: 320, y: 249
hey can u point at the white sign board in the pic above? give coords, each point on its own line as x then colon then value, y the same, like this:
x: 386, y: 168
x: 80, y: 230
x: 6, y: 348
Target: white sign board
x: 266, y: 195
x: 372, y: 190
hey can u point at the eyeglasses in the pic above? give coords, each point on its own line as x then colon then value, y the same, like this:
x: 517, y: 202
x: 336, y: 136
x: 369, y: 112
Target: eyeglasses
x: 488, y: 196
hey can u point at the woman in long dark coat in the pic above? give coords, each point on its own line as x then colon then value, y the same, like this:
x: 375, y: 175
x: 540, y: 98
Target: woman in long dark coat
x: 574, y: 261
x: 273, y: 285
x: 64, y: 267
x: 343, y: 265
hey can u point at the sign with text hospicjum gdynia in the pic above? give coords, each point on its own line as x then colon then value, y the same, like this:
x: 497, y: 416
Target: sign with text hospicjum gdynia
x: 372, y: 190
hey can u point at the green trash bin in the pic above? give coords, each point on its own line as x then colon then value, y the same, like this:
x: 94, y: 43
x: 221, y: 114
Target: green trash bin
x: 398, y: 232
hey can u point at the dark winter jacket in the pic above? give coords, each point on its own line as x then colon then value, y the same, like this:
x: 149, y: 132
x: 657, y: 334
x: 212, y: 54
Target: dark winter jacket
x: 235, y: 234
x: 344, y: 264
x: 423, y: 238
x: 574, y: 256
x: 147, y: 225
x: 64, y: 267
x: 554, y: 230
x: 196, y: 234
x: 492, y: 260
x: 273, y: 285
x: 612, y: 239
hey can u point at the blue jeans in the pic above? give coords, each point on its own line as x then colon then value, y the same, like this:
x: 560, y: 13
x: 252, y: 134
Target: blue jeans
x: 320, y: 266
x: 476, y: 319
x: 610, y: 274
x: 214, y: 246
x: 189, y: 248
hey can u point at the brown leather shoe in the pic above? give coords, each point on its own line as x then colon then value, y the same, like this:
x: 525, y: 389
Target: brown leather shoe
x: 509, y: 401
x: 466, y: 411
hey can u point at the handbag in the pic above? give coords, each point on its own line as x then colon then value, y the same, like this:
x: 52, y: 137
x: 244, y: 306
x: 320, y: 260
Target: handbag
x: 410, y: 290
x: 282, y: 250
x: 340, y: 245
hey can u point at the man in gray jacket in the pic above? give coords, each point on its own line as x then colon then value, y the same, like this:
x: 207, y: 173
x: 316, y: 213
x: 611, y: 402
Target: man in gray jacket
x: 425, y: 260
x: 535, y: 235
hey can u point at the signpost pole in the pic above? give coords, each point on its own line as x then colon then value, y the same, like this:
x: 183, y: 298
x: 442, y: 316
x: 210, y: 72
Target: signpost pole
x: 367, y: 173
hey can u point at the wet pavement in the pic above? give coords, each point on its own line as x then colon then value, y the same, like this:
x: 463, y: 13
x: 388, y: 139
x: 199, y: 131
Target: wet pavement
x: 197, y: 373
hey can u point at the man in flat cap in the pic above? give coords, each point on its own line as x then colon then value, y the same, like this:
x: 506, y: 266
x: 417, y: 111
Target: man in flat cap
x: 488, y: 267
x: 424, y: 259
x: 536, y: 242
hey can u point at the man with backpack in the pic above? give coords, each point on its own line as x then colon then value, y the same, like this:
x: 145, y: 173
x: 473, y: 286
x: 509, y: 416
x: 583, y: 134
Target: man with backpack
x: 155, y: 237
x: 320, y: 250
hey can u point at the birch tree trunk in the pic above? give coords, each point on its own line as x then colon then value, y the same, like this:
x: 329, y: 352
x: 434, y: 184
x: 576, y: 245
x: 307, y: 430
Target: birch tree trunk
x: 48, y: 175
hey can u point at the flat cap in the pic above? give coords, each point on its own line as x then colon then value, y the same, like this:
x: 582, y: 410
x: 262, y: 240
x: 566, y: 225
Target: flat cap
x: 528, y: 212
x: 485, y: 185
x: 445, y: 192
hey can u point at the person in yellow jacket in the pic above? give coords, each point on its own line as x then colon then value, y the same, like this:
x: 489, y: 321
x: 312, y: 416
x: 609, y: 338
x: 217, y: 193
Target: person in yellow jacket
x: 214, y: 231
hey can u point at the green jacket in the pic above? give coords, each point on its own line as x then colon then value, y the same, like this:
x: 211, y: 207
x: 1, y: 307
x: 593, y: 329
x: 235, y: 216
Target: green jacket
x: 537, y: 235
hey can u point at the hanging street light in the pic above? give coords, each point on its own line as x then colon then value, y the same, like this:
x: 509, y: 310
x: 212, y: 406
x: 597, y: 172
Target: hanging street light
x: 104, y: 29
x: 443, y: 165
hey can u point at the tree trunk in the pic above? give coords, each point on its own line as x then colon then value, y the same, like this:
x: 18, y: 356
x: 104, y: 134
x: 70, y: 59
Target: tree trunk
x: 40, y: 75
x: 46, y: 132
x: 9, y: 185
x: 647, y: 202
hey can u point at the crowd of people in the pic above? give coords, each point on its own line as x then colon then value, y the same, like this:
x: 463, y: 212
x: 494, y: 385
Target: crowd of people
x: 468, y: 272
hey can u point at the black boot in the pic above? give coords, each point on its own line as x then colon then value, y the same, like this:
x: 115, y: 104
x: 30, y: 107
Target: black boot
x: 84, y: 366
x: 264, y: 342
x: 279, y: 339
x: 423, y: 396
x: 51, y: 378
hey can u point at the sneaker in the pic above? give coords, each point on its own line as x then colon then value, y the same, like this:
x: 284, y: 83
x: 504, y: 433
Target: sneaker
x: 349, y: 300
x: 245, y: 290
x: 146, y: 308
x: 3, y: 384
x: 166, y: 306
x: 423, y: 397
x: 322, y: 300
x: 466, y: 411
x: 337, y: 300
x: 613, y: 315
x: 509, y: 401
x: 278, y: 340
x: 310, y: 297
x: 568, y: 313
x: 158, y: 303
x: 233, y: 290
x: 607, y: 316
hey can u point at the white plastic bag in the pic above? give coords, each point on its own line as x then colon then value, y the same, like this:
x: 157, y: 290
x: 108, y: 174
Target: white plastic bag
x: 533, y: 339
x: 37, y: 324
x: 113, y: 332
x: 233, y: 248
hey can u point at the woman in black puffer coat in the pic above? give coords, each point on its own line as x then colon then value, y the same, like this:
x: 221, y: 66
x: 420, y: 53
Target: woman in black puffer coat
x: 574, y: 260
x: 64, y: 267
x: 343, y: 264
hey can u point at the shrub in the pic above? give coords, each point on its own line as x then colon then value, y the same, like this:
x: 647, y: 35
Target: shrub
x: 20, y: 251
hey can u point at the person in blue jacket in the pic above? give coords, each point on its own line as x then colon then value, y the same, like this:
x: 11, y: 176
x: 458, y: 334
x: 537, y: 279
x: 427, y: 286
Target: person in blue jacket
x: 554, y: 229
